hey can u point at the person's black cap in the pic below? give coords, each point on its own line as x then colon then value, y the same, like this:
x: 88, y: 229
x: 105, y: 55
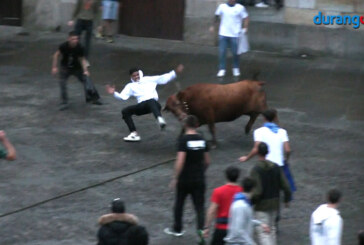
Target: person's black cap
x: 117, y: 206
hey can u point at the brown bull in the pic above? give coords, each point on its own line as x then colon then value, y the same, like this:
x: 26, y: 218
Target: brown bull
x: 212, y: 103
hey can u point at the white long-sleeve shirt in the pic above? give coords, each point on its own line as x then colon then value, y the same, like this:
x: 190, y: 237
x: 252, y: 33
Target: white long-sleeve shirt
x: 241, y: 222
x: 326, y: 226
x: 145, y: 89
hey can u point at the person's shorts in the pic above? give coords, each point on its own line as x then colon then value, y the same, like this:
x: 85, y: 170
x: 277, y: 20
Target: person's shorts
x: 110, y: 10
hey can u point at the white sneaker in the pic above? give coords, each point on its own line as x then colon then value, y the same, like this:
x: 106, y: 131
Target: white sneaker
x: 261, y: 5
x: 133, y: 137
x: 236, y: 72
x: 173, y: 233
x: 162, y: 122
x: 221, y: 73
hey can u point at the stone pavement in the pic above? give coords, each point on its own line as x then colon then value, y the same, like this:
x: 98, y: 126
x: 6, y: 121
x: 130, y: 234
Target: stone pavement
x: 319, y: 99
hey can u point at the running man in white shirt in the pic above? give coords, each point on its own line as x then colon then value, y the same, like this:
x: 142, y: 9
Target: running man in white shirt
x: 275, y: 137
x: 326, y: 224
x: 144, y: 90
x: 233, y: 17
x: 278, y: 143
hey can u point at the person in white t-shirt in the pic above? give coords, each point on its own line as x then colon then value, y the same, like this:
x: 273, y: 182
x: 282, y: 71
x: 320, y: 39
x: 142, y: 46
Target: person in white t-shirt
x: 275, y: 137
x: 233, y: 17
x: 144, y: 90
x: 278, y: 143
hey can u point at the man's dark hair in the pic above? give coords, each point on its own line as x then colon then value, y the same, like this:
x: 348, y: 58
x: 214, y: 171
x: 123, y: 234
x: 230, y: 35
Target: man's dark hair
x: 232, y: 173
x: 262, y: 149
x: 248, y: 184
x: 117, y: 206
x: 132, y: 70
x: 333, y: 196
x: 270, y: 114
x: 72, y: 33
x: 191, y: 121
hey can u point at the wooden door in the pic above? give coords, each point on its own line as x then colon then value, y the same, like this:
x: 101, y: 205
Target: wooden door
x: 152, y: 18
x: 11, y: 12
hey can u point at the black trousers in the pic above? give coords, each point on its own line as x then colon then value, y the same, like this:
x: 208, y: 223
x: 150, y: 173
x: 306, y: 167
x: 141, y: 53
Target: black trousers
x: 218, y: 237
x: 91, y: 93
x: 85, y: 25
x: 197, y: 192
x: 145, y: 107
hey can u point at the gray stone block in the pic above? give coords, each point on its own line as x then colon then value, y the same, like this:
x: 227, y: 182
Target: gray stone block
x: 359, y: 6
x: 271, y: 37
x: 266, y: 15
x: 311, y: 40
x: 292, y: 3
x: 336, y: 5
x: 308, y: 4
x: 200, y: 8
x: 299, y: 16
x: 352, y: 44
x: 197, y: 31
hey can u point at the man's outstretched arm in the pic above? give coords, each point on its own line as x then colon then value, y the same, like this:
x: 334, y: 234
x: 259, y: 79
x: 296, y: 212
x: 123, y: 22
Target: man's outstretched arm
x: 11, y: 152
x: 165, y: 78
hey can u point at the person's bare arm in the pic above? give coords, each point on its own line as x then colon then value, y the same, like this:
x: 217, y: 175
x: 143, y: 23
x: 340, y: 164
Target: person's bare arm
x: 287, y: 150
x: 246, y: 24
x: 207, y: 160
x: 252, y: 153
x: 211, y: 214
x: 55, y: 62
x: 11, y: 156
x: 179, y: 69
x: 215, y: 23
x: 178, y: 166
x: 85, y: 65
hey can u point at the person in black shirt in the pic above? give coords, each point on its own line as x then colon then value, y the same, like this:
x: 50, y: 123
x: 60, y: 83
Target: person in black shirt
x: 189, y: 178
x: 72, y: 56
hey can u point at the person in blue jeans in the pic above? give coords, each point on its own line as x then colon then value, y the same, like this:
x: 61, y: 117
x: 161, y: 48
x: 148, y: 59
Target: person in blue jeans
x: 233, y: 17
x: 110, y: 13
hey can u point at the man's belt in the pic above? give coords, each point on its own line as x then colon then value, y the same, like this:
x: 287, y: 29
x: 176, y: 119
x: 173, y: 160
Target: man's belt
x: 222, y: 220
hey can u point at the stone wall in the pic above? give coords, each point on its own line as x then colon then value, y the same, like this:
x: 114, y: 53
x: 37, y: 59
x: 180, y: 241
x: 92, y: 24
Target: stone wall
x: 198, y: 18
x: 302, y: 12
x: 47, y: 14
x: 290, y: 29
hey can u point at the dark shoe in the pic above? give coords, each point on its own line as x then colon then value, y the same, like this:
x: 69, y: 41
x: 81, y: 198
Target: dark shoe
x: 63, y: 106
x: 97, y: 102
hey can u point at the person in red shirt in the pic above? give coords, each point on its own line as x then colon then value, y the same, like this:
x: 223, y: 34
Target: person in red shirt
x: 221, y: 200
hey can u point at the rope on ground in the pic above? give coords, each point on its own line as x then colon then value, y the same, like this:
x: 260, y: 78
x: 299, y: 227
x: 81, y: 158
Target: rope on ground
x: 85, y: 188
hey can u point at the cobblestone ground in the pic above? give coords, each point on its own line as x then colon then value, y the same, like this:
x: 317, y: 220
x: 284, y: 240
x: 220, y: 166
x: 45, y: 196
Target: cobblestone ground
x: 319, y: 99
